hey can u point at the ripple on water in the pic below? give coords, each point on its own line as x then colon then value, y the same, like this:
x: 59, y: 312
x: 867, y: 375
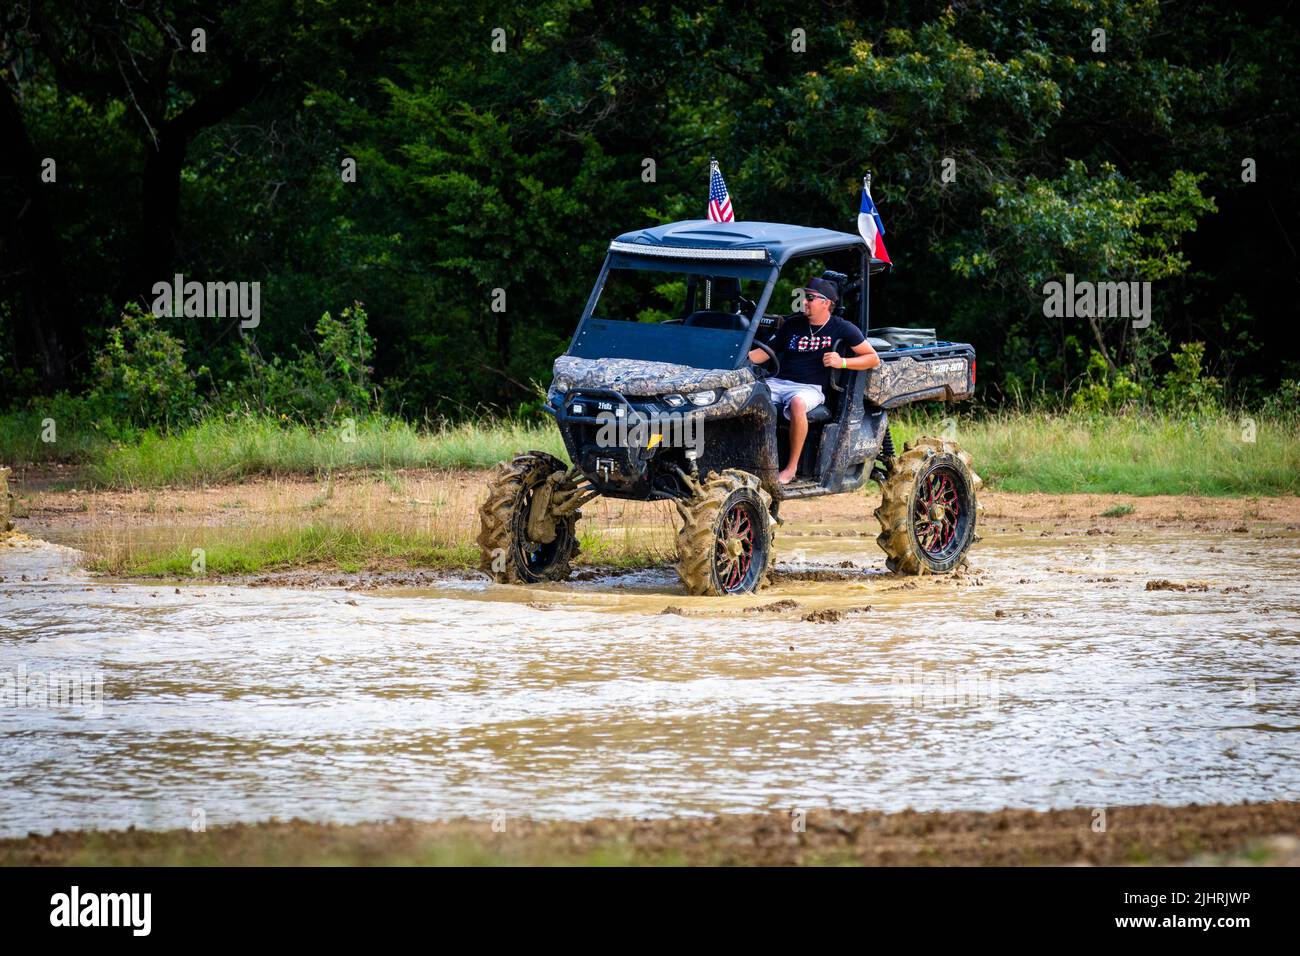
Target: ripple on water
x: 1047, y: 677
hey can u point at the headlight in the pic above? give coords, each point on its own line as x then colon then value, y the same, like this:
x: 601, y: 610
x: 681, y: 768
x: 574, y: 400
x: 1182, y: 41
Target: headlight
x: 674, y: 401
x: 704, y: 398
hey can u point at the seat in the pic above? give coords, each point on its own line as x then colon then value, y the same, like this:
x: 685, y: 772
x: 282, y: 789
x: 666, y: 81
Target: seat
x: 901, y: 338
x: 820, y: 415
x: 819, y: 421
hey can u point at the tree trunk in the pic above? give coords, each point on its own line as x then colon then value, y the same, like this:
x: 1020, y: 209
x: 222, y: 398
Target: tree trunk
x: 160, y: 192
x: 45, y: 333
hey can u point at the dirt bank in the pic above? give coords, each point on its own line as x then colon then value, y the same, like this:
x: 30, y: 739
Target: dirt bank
x: 416, y: 507
x: 41, y: 508
x: 1250, y: 834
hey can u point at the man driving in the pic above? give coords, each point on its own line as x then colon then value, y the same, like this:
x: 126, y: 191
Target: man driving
x: 803, y: 347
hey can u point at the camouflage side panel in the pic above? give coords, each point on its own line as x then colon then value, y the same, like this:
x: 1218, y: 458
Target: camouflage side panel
x: 6, y: 502
x: 897, y: 381
x: 635, y: 377
x: 865, y: 439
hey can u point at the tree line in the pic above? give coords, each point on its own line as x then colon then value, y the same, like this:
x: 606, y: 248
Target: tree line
x: 417, y: 157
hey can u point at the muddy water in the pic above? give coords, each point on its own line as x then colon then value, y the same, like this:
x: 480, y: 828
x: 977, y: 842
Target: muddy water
x: 1048, y: 678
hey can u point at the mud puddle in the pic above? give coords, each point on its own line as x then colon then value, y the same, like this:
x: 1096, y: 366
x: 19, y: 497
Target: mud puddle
x: 1046, y: 676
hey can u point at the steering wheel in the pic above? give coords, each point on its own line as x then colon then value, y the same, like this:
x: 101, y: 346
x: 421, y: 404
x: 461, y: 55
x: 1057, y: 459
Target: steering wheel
x: 771, y: 356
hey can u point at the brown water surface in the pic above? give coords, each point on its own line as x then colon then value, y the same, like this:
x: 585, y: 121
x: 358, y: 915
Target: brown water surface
x: 1048, y: 676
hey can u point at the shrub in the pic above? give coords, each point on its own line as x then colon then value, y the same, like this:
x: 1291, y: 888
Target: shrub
x: 1284, y: 403
x: 140, y: 374
x: 318, y: 385
x: 1105, y: 388
x: 1186, y: 388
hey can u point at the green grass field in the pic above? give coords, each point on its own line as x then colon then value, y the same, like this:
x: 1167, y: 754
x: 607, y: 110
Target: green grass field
x: 1135, y: 455
x: 1219, y: 455
x: 218, y: 451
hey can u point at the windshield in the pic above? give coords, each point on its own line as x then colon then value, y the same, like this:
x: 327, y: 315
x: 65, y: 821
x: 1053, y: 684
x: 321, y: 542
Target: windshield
x: 714, y: 300
x: 687, y: 313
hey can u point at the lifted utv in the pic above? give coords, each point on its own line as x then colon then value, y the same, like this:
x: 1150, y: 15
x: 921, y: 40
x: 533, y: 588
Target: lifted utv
x: 656, y: 399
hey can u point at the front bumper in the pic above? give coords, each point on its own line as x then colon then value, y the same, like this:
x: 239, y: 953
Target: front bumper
x: 604, y: 436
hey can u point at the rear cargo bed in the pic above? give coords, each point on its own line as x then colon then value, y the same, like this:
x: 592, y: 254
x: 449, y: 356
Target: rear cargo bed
x: 942, y: 372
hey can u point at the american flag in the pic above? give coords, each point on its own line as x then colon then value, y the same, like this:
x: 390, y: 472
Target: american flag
x: 719, y: 200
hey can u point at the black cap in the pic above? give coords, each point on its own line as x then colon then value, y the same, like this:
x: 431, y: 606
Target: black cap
x: 826, y: 287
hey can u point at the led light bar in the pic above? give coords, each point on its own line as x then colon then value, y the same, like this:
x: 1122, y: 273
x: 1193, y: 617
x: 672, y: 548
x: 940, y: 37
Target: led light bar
x: 683, y: 252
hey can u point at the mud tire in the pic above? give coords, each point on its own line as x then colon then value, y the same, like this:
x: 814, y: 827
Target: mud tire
x: 505, y: 552
x: 700, y: 542
x: 908, y: 474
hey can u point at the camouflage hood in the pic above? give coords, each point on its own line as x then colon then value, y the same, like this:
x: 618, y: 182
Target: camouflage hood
x: 639, y: 377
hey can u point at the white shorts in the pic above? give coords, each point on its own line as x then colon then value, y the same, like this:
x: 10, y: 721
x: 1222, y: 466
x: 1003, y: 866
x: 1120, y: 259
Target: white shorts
x: 784, y: 391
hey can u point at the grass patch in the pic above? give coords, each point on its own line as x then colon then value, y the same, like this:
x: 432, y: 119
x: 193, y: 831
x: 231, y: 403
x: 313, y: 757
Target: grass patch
x: 349, y: 525
x: 298, y: 845
x: 218, y: 450
x: 1121, y: 454
x: 1014, y: 451
x: 1118, y: 511
x: 57, y: 433
x: 253, y: 551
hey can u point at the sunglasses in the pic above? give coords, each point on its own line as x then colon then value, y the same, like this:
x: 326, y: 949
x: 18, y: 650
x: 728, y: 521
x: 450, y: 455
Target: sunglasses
x: 816, y: 295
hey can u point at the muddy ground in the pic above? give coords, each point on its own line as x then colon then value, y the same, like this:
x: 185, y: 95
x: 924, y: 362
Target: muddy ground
x: 1142, y: 653
x: 44, y: 507
x: 1246, y: 834
x: 448, y: 498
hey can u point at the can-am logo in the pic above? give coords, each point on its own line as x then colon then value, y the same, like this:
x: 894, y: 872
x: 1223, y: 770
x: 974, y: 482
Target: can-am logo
x: 1098, y: 300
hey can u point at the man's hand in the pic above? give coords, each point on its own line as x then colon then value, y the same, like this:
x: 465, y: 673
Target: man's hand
x: 864, y: 357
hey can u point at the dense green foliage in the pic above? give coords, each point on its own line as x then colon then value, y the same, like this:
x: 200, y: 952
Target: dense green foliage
x: 484, y: 165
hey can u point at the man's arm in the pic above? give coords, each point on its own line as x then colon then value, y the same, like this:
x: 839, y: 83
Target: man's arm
x: 864, y: 357
x: 757, y: 355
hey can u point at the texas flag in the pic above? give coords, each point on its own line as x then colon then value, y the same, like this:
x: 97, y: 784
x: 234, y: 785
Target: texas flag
x: 871, y: 228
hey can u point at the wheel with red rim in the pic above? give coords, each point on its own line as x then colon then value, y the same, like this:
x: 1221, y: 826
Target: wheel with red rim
x: 927, y: 508
x: 726, y: 542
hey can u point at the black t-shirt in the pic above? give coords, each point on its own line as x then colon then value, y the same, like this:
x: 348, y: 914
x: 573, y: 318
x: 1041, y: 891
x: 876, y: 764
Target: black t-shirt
x: 800, y: 349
